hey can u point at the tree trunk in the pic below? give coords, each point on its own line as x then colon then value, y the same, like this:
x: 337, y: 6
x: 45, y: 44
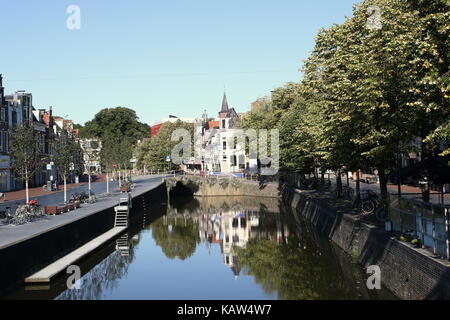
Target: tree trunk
x: 383, y: 183
x: 65, y: 189
x: 358, y: 188
x: 26, y: 191
x: 89, y: 174
x: 339, y: 182
x: 107, y: 182
x: 26, y: 185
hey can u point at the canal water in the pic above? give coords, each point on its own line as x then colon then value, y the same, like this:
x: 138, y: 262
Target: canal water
x: 214, y: 248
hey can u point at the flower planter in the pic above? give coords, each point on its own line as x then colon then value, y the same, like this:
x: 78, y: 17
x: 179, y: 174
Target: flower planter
x: 64, y: 208
x: 52, y: 210
x: 124, y: 189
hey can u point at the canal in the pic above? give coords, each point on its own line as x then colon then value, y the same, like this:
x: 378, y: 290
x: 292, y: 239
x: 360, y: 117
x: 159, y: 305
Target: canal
x: 214, y: 248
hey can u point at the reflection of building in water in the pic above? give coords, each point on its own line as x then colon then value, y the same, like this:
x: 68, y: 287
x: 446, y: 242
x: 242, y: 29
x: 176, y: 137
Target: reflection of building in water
x: 236, y: 232
x: 234, y: 227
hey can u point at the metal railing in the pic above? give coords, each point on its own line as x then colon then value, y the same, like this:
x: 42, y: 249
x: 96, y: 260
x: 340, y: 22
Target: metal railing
x: 425, y: 221
x: 293, y: 179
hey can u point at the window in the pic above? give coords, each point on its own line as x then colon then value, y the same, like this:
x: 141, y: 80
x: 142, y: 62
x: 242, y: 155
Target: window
x: 224, y: 145
x: 2, y: 115
x: 14, y: 118
x: 223, y: 124
x: 3, y: 181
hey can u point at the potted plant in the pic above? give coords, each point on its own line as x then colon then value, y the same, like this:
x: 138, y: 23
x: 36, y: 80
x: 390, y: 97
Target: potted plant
x: 417, y: 243
x: 52, y: 210
x: 64, y: 208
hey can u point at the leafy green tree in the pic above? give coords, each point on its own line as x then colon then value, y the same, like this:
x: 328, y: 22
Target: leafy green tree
x: 26, y: 158
x: 441, y: 135
x: 372, y: 84
x: 152, y: 152
x: 116, y: 123
x: 67, y: 156
x: 178, y: 242
x: 295, y: 270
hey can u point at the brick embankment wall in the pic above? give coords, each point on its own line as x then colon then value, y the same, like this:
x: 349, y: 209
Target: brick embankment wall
x: 405, y: 271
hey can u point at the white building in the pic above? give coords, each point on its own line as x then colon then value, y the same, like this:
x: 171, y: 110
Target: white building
x: 216, y: 148
x: 91, y: 155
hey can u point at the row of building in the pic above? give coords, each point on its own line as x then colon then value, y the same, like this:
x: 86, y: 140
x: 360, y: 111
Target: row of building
x: 214, y: 152
x: 17, y: 109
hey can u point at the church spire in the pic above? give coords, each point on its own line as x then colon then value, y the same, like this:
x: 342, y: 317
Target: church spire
x: 224, y: 104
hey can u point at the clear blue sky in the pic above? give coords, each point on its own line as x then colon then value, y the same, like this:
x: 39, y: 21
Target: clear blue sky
x: 158, y: 57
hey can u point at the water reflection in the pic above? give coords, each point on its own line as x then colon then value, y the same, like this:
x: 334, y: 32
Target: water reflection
x: 249, y: 248
x: 105, y: 275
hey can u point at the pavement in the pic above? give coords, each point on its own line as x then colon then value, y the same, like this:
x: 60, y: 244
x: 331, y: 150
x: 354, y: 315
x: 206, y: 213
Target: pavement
x: 38, y: 191
x: 409, y: 192
x: 10, y: 234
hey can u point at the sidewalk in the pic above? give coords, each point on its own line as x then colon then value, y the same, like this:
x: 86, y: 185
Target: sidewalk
x: 10, y: 234
x: 407, y: 191
x: 37, y: 192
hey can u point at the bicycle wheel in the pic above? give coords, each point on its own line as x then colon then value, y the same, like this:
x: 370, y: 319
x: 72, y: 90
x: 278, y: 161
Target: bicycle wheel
x: 381, y: 214
x: 367, y: 207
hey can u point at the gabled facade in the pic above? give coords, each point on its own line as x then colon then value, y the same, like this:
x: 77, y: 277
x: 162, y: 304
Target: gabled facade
x: 213, y: 143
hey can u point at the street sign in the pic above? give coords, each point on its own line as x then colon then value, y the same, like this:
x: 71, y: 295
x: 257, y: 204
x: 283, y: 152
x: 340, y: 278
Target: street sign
x: 168, y: 158
x: 49, y: 167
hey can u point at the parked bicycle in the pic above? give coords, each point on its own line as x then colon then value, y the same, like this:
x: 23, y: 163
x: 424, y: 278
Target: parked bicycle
x: 26, y: 213
x: 371, y: 203
x: 346, y: 193
x: 6, y: 214
x: 83, y: 197
x: 127, y: 182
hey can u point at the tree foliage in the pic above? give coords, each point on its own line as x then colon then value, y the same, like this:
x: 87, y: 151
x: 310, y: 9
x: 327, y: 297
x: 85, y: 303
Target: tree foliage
x: 367, y: 93
x: 116, y: 123
x: 68, y: 155
x: 152, y: 152
x: 178, y: 242
x: 26, y: 157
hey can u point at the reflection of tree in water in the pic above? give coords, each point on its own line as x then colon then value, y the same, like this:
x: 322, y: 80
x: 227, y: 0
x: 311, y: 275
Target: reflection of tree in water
x: 104, y: 276
x: 294, y: 270
x: 180, y: 242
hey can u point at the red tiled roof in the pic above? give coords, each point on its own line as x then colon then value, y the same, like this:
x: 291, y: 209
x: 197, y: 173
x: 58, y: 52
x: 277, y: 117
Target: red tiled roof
x: 155, y: 129
x: 213, y: 124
